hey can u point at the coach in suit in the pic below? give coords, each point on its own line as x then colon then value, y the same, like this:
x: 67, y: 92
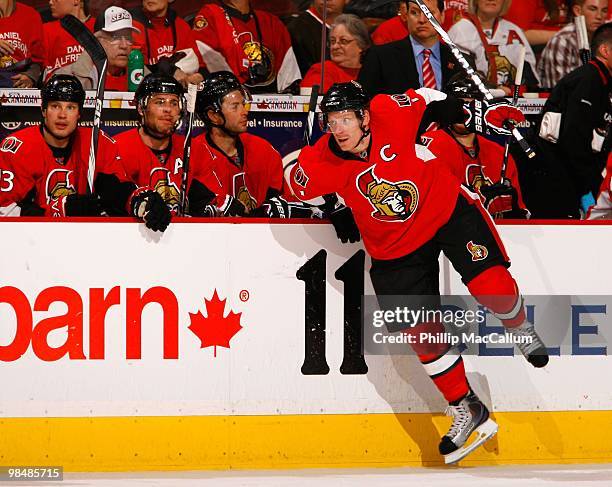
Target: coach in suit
x: 413, y: 62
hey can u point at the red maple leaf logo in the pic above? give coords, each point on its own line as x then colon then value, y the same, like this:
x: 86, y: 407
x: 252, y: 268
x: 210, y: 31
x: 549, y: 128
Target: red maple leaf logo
x: 215, y: 330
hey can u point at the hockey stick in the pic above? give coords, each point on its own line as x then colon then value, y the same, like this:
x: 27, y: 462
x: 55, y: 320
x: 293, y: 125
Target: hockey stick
x: 583, y: 39
x: 191, y: 99
x: 312, y: 108
x: 470, y: 71
x: 323, y: 44
x: 96, y: 52
x: 518, y: 78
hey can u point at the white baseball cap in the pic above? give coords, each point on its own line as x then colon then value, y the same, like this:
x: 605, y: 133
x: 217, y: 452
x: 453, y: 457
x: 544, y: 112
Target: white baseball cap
x: 114, y: 19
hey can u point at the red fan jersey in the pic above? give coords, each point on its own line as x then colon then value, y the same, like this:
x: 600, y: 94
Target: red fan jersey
x: 256, y: 169
x: 159, y: 170
x: 61, y: 48
x: 233, y: 42
x: 333, y: 74
x: 166, y: 36
x: 399, y: 198
x: 530, y: 14
x: 23, y: 31
x: 28, y: 163
x: 474, y: 166
x: 390, y: 30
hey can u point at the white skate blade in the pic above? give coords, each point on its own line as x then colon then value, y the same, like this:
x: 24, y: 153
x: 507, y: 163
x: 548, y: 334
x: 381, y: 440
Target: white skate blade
x: 485, y: 431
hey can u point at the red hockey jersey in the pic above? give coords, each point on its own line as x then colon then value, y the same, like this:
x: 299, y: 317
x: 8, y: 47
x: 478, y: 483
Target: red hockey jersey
x: 229, y: 42
x: 166, y: 36
x: 61, y: 48
x: 333, y: 74
x: 162, y: 172
x: 398, y: 197
x: 22, y: 30
x: 27, y: 163
x: 474, y: 171
x: 261, y: 169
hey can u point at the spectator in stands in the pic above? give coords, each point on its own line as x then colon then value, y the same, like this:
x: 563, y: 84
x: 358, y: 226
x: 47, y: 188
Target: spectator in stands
x: 418, y: 60
x: 575, y: 134
x: 348, y: 40
x: 394, y: 29
x: 561, y: 55
x: 252, y: 44
x: 494, y: 43
x: 539, y: 19
x: 61, y: 48
x: 454, y: 11
x: 305, y: 31
x: 21, y: 45
x: 114, y: 30
x: 170, y: 42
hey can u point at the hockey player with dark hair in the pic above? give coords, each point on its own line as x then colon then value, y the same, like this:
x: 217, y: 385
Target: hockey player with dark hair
x: 44, y: 167
x: 152, y: 153
x: 243, y: 171
x: 475, y: 160
x: 408, y: 210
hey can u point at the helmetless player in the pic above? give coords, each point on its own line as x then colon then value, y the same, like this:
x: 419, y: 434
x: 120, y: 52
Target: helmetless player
x: 44, y: 167
x: 152, y: 153
x: 408, y: 210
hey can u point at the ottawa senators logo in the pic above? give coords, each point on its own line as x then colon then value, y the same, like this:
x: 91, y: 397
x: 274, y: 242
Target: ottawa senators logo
x: 260, y: 57
x: 392, y: 201
x: 241, y: 192
x: 7, y: 61
x: 476, y: 179
x: 160, y: 181
x: 506, y: 71
x: 479, y: 252
x: 200, y: 23
x: 58, y: 184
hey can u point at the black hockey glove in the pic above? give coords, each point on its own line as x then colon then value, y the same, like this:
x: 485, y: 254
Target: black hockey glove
x: 231, y: 207
x: 278, y: 207
x: 151, y: 208
x: 501, y: 201
x: 344, y: 224
x: 491, y: 117
x: 76, y: 205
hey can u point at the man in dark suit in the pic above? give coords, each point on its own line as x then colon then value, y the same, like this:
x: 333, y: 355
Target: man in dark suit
x: 413, y: 62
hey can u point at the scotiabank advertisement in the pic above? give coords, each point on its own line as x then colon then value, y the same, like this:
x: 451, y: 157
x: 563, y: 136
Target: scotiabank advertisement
x: 110, y: 319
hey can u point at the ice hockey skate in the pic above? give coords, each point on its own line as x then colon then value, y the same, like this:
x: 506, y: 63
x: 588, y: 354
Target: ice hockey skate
x: 530, y: 344
x: 470, y: 421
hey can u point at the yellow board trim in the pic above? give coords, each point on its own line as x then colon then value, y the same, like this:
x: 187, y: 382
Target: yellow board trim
x: 294, y: 441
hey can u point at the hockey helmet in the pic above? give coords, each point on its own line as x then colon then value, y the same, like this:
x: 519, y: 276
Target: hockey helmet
x: 462, y: 86
x: 63, y: 87
x: 344, y: 96
x: 214, y: 88
x: 156, y: 84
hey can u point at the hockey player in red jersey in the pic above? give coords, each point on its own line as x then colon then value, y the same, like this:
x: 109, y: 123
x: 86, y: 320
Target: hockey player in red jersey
x: 476, y: 160
x: 243, y: 171
x: 253, y: 44
x: 408, y: 210
x: 152, y: 153
x: 44, y: 168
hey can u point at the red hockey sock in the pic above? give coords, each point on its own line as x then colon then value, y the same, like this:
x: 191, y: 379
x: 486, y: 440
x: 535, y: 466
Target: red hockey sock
x: 497, y: 290
x: 444, y: 367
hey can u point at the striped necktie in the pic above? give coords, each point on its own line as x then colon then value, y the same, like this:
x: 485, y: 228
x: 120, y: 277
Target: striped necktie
x: 429, y: 79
